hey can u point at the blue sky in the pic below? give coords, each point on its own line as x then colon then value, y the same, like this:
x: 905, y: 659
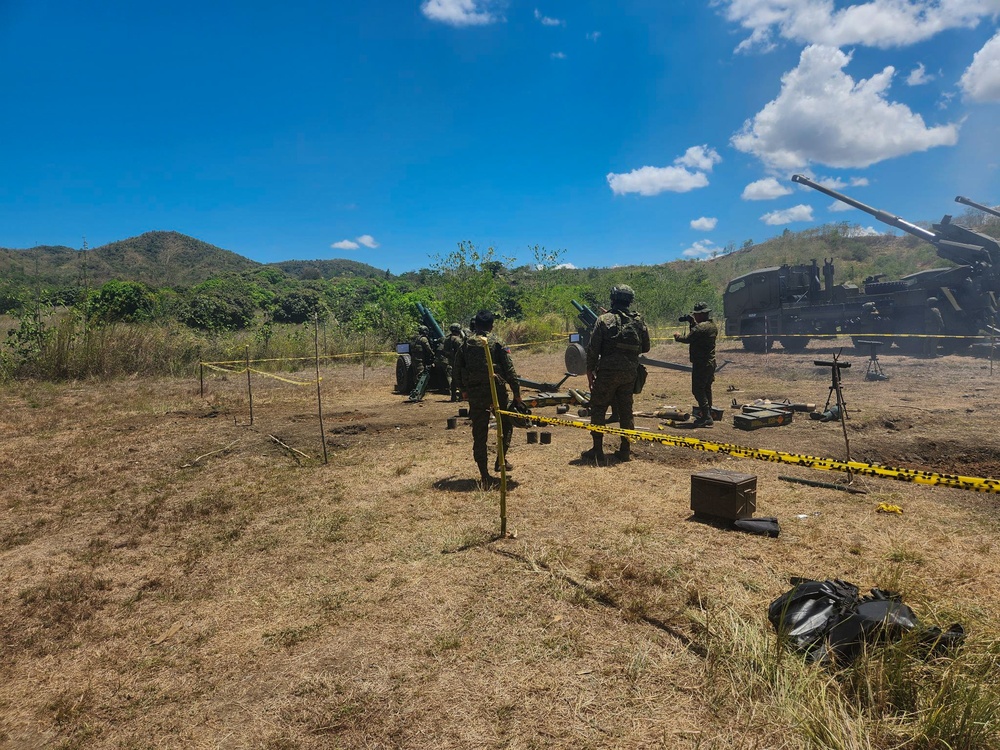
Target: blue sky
x: 388, y: 131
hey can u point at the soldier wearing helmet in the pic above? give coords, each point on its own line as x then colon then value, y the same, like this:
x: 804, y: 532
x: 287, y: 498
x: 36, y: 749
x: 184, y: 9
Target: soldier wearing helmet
x: 473, y: 378
x: 422, y: 354
x: 452, y: 343
x: 700, y: 339
x: 619, y: 337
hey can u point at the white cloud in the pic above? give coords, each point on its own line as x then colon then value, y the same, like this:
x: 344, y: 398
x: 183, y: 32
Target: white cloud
x: 688, y: 173
x: 838, y: 206
x: 699, y: 157
x: 877, y: 23
x: 765, y: 190
x: 823, y: 116
x: 800, y: 212
x: 859, y: 182
x: 593, y: 36
x: 981, y: 80
x: 704, y: 224
x: 656, y: 180
x: 564, y: 265
x: 558, y: 55
x: 859, y: 231
x: 919, y: 76
x: 366, y: 239
x: 546, y: 21
x: 458, y: 12
x: 702, y: 249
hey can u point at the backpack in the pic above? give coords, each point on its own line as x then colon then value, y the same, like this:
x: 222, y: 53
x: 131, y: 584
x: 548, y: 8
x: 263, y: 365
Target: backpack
x: 627, y: 334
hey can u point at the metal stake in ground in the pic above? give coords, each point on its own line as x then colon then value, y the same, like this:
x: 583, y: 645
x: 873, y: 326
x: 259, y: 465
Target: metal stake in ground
x: 246, y: 353
x: 319, y: 396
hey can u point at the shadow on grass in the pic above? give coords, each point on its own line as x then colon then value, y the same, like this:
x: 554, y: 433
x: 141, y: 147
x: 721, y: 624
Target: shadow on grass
x: 451, y: 484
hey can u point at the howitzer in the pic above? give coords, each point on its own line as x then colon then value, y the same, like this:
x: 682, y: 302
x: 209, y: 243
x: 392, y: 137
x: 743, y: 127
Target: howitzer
x: 437, y: 377
x: 953, y: 242
x: 977, y: 206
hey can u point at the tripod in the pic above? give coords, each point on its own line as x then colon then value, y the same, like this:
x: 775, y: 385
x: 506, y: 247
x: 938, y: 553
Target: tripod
x: 840, y: 408
x: 874, y: 370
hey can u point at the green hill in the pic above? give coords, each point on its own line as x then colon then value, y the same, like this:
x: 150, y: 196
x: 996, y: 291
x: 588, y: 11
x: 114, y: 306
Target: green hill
x: 330, y: 269
x: 156, y: 258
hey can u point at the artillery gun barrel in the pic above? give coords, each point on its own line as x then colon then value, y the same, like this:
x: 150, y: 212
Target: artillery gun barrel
x: 429, y: 321
x: 883, y: 216
x: 978, y: 206
x: 587, y: 316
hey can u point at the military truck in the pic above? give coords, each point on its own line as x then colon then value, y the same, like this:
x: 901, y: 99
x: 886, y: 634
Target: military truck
x: 790, y: 305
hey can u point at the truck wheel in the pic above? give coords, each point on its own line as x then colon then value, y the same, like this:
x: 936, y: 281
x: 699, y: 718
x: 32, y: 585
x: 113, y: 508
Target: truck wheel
x: 404, y: 380
x: 794, y: 344
x: 576, y: 359
x: 756, y: 344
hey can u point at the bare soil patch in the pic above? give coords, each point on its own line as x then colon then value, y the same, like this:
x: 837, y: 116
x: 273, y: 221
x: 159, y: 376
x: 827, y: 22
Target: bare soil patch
x: 171, y: 576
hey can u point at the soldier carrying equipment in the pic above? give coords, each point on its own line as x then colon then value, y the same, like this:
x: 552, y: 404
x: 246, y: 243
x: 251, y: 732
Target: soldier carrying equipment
x: 613, y: 369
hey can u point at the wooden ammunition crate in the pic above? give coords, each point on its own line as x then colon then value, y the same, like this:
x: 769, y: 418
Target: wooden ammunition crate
x: 758, y: 419
x: 727, y: 495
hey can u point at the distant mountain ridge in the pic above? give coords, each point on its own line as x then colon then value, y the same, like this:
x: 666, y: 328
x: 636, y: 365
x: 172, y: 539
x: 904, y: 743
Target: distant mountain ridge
x: 157, y: 258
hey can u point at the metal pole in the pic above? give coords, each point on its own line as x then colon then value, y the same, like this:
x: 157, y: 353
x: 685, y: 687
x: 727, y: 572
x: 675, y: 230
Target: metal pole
x: 364, y: 346
x: 249, y: 389
x: 201, y: 379
x: 501, y: 460
x: 319, y: 396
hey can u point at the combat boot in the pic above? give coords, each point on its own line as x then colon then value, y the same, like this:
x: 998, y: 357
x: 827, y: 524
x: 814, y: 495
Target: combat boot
x: 506, y: 464
x: 486, y: 480
x: 596, y: 454
x: 624, y: 452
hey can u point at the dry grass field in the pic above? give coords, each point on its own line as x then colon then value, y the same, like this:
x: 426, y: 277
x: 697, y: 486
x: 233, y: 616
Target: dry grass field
x: 171, y: 576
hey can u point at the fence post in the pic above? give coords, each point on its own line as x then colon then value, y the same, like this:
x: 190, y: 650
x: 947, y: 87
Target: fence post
x: 249, y: 390
x: 319, y: 397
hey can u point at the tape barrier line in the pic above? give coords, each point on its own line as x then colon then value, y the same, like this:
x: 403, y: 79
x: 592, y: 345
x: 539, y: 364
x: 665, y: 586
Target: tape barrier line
x: 955, y: 481
x: 226, y: 370
x: 875, y: 336
x: 283, y: 380
x: 303, y: 359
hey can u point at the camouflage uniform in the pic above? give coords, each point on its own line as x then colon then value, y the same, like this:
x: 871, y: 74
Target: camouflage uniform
x: 452, y: 343
x: 618, y: 339
x: 472, y: 376
x: 701, y: 350
x: 421, y: 353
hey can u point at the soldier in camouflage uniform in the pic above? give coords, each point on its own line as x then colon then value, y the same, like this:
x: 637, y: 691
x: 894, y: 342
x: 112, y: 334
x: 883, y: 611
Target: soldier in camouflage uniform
x: 472, y: 376
x: 421, y: 352
x: 452, y: 343
x: 618, y: 339
x: 701, y: 346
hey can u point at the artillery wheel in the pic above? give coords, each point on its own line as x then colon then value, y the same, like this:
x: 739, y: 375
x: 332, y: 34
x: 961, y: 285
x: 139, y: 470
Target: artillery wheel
x: 404, y: 374
x: 576, y: 359
x: 794, y: 343
x: 914, y: 346
x: 757, y: 344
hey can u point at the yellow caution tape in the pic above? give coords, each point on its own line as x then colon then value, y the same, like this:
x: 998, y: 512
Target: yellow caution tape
x: 888, y: 508
x: 283, y: 380
x: 956, y: 481
x: 215, y: 366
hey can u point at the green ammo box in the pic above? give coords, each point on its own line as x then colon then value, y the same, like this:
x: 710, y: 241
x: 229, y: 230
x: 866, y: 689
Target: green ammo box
x: 727, y: 495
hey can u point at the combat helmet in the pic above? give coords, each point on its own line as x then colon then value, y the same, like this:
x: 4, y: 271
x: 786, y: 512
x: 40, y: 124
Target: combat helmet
x: 455, y: 328
x: 622, y: 294
x: 423, y: 330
